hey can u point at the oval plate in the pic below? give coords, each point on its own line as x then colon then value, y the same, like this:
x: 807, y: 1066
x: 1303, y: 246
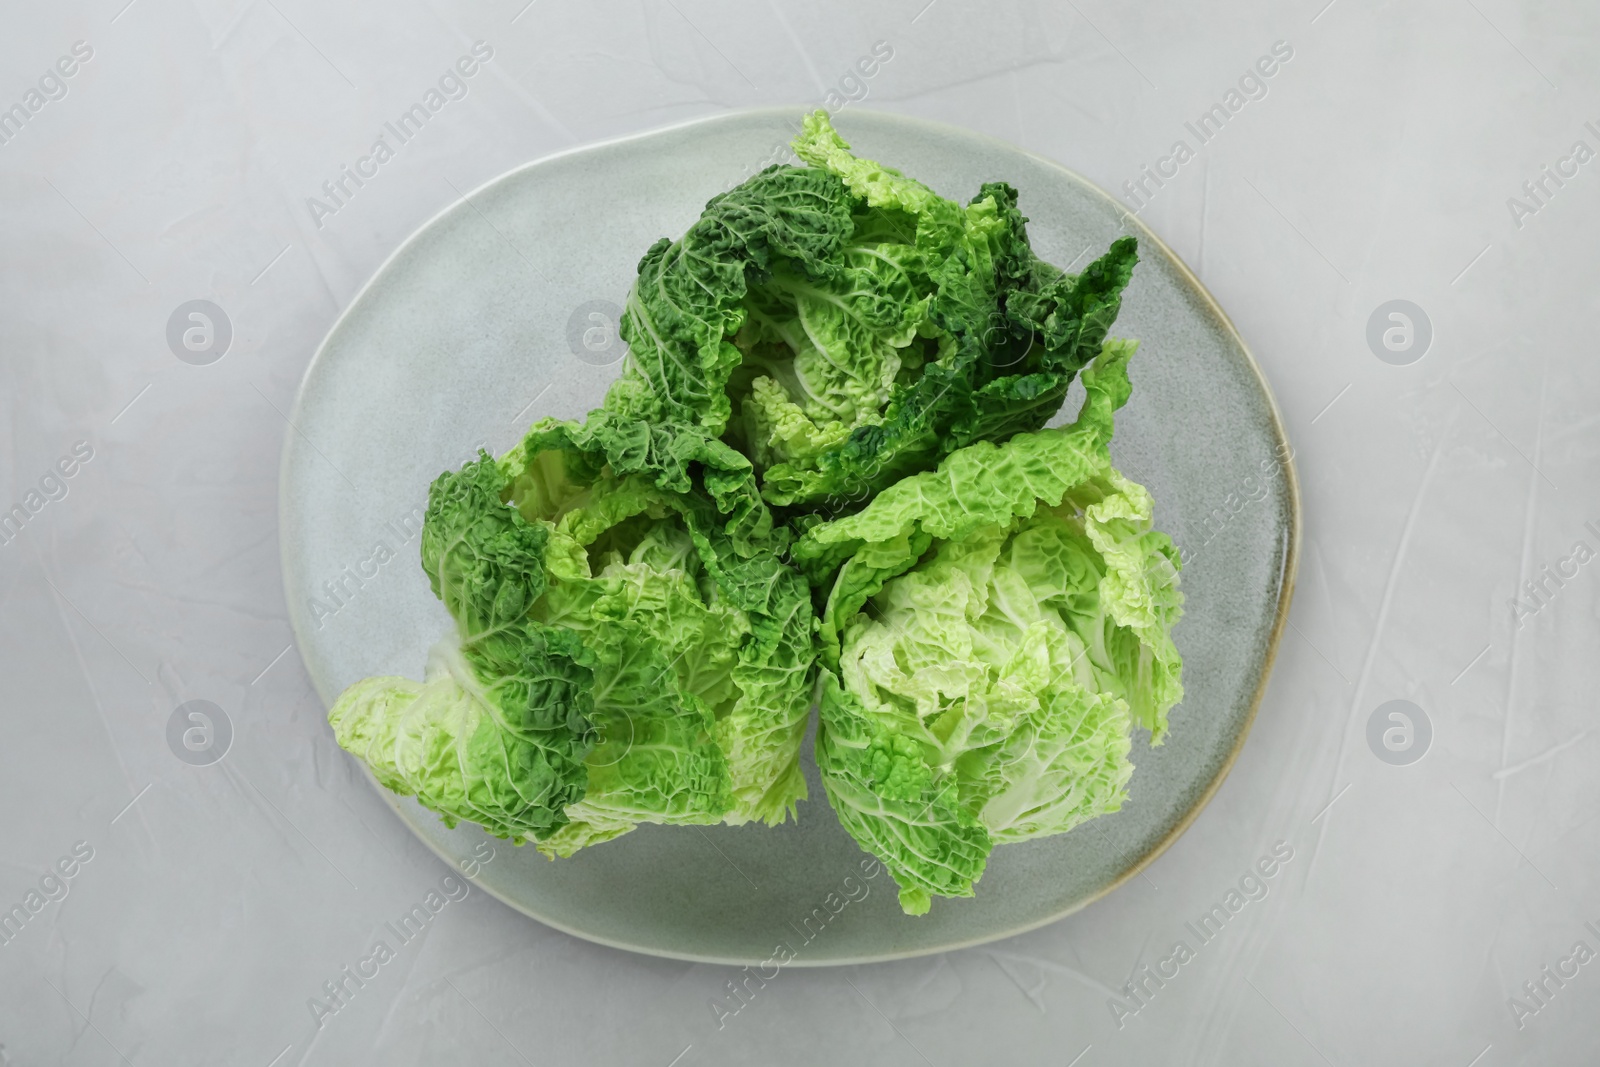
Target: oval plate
x: 501, y: 310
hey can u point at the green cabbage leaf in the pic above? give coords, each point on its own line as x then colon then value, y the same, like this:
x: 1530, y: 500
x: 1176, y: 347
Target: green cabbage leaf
x: 498, y: 731
x: 938, y: 327
x: 993, y: 631
x: 683, y: 642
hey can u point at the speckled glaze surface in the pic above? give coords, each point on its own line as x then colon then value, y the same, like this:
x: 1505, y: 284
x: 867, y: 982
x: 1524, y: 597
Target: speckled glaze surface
x: 473, y: 329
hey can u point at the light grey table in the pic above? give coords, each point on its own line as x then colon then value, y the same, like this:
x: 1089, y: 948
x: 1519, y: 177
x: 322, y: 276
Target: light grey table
x: 1423, y: 152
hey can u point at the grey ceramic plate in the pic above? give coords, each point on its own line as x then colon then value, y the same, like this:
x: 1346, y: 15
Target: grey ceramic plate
x: 498, y: 312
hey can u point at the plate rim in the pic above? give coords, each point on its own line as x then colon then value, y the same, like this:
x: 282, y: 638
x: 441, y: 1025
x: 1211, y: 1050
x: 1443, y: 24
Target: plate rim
x: 1287, y: 573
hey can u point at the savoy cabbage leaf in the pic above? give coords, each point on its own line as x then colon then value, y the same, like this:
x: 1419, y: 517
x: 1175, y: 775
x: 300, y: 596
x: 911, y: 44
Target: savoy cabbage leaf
x: 623, y: 653
x: 498, y: 732
x: 941, y: 328
x: 701, y: 644
x: 992, y: 631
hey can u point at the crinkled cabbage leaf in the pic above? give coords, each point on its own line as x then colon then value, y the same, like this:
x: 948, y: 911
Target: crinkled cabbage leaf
x: 993, y: 630
x: 937, y: 327
x: 686, y: 649
x: 842, y: 325
x: 498, y: 732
